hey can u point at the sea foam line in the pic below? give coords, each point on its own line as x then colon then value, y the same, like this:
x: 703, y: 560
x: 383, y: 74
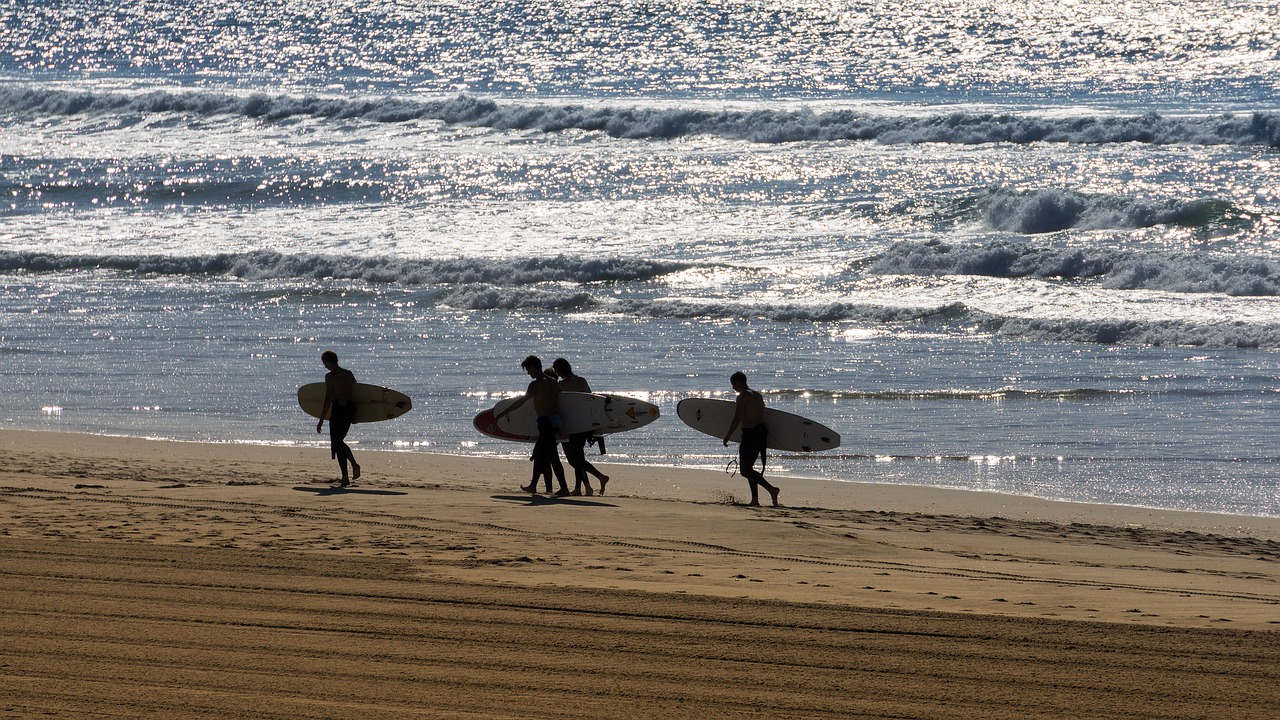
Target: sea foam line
x: 266, y: 265
x: 1185, y: 272
x: 761, y: 126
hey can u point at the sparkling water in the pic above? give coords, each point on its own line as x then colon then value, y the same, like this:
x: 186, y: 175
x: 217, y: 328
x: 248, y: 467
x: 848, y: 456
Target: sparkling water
x: 1030, y: 249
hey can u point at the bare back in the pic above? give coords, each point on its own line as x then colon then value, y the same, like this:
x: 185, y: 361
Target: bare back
x: 750, y: 410
x: 574, y: 383
x: 545, y: 394
x: 338, y: 385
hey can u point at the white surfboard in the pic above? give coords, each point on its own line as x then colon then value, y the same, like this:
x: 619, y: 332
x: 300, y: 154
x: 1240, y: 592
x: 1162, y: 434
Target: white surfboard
x: 626, y: 413
x: 373, y: 402
x: 579, y: 412
x: 787, y: 431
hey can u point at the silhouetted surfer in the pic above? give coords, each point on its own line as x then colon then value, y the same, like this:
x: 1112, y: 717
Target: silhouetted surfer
x: 337, y: 397
x: 575, y: 450
x: 544, y: 391
x: 749, y: 413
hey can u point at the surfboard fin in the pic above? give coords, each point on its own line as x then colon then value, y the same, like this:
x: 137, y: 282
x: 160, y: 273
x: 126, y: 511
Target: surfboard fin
x: 598, y: 440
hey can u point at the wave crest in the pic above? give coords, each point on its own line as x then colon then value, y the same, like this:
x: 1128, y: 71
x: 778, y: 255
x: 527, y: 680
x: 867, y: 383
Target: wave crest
x: 1238, y: 275
x: 1046, y: 211
x: 277, y: 266
x: 761, y: 126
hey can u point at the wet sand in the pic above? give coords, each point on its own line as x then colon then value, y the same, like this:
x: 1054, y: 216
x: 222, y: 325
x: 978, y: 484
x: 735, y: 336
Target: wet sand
x: 175, y: 580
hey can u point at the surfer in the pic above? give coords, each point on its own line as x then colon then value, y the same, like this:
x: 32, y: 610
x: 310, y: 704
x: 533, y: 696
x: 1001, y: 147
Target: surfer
x: 337, y: 397
x: 575, y: 450
x: 544, y: 392
x: 749, y: 413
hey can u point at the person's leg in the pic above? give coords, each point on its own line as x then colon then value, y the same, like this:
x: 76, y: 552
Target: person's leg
x: 541, y: 468
x: 575, y: 454
x: 586, y: 467
x: 546, y: 456
x: 752, y: 449
x: 532, y: 487
x: 604, y: 479
x: 547, y: 431
x: 339, y: 424
x: 558, y: 468
x: 746, y: 467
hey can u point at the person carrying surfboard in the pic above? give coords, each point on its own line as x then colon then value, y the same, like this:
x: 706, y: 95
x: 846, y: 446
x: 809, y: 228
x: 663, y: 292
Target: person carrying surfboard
x: 338, y: 383
x: 575, y: 450
x: 544, y: 391
x: 749, y: 413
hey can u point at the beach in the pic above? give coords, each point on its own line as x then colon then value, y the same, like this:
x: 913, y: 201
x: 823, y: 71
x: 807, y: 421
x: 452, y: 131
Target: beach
x: 1024, y: 262
x: 172, y: 580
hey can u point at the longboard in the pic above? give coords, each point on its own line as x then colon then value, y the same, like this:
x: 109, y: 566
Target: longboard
x: 787, y: 431
x: 622, y: 413
x: 626, y: 413
x: 579, y: 412
x: 485, y: 423
x: 373, y: 402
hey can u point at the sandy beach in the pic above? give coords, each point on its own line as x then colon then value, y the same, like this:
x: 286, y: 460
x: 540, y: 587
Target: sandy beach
x: 181, y: 580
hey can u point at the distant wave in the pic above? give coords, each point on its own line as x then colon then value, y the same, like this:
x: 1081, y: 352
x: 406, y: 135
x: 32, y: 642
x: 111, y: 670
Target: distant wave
x: 492, y: 297
x: 781, y: 312
x: 197, y: 187
x: 564, y: 284
x: 762, y: 126
x: 275, y: 266
x: 1169, y: 333
x: 1239, y: 275
x: 957, y: 315
x: 1045, y: 211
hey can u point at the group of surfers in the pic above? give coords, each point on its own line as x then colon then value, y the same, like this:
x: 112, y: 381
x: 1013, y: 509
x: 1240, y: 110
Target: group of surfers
x: 544, y: 390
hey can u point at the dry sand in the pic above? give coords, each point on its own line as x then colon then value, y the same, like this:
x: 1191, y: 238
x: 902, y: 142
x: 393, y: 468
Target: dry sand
x: 183, y: 580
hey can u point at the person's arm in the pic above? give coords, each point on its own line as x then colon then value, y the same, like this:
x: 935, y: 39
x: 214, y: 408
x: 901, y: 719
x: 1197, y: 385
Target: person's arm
x: 327, y: 404
x: 512, y: 408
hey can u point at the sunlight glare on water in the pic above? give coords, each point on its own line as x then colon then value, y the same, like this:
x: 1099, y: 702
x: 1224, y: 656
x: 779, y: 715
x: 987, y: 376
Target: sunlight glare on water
x: 1027, y: 248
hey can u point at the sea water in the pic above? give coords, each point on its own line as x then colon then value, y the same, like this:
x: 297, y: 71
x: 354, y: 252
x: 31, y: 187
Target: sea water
x: 1030, y: 249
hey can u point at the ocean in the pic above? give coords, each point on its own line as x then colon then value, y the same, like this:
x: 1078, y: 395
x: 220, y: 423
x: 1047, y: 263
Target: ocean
x: 1031, y: 249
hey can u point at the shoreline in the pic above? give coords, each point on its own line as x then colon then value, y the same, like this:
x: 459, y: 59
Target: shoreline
x: 694, y: 484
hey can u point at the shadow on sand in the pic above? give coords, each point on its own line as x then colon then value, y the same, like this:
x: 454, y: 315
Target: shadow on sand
x: 339, y: 490
x: 538, y: 500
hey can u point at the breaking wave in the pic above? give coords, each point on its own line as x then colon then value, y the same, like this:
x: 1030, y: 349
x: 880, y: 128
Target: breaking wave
x: 1238, y: 275
x: 1168, y: 333
x: 1045, y: 211
x: 277, y: 266
x: 492, y: 297
x: 761, y: 126
x: 953, y: 316
x: 565, y: 284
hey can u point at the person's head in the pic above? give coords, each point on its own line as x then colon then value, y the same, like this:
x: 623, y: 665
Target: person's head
x: 532, y: 365
x: 562, y: 368
x: 329, y: 358
x: 738, y: 380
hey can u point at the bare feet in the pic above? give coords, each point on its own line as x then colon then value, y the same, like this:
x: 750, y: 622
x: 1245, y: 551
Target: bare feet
x: 355, y: 472
x: 531, y: 488
x: 590, y: 492
x: 562, y: 492
x: 604, y: 479
x: 775, y: 492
